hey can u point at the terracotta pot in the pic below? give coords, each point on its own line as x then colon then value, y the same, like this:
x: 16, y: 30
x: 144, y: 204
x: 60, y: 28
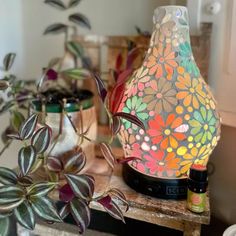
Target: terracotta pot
x: 168, y: 94
x: 68, y: 141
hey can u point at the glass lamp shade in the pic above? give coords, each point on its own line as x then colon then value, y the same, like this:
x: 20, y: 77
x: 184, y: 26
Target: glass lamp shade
x: 168, y: 94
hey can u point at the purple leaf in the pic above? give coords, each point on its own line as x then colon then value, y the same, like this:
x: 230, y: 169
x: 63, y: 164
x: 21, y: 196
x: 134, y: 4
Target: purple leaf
x: 81, y: 214
x: 56, y: 3
x: 116, y: 125
x: 55, y: 28
x: 100, y: 86
x: 51, y: 74
x: 66, y: 194
x: 54, y: 164
x: 112, y: 208
x: 75, y: 163
x: 119, y: 195
x: 80, y: 19
x: 105, y: 201
x: 82, y: 185
x: 14, y: 136
x: 133, y: 119
x: 107, y: 153
x: 117, y: 93
x: 119, y: 62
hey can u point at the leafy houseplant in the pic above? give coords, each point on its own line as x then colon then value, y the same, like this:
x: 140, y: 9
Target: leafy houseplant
x: 67, y: 106
x: 26, y: 197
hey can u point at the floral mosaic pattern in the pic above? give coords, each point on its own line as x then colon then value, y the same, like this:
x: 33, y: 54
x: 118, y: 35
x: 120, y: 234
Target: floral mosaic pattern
x: 168, y: 94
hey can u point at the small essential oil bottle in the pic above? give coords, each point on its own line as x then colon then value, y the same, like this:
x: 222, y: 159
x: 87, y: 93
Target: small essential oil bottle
x: 197, y: 186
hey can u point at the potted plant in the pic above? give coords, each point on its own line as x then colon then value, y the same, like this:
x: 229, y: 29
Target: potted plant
x: 25, y: 197
x: 62, y: 104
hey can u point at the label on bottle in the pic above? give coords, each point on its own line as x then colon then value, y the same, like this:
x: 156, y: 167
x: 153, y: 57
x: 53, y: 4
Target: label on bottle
x: 196, y: 201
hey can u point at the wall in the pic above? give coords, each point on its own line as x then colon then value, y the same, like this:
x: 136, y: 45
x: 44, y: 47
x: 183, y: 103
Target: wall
x: 223, y: 181
x: 108, y: 17
x: 11, y: 39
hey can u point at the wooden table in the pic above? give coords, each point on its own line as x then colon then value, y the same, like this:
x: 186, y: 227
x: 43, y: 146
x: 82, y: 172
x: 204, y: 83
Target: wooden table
x: 169, y: 213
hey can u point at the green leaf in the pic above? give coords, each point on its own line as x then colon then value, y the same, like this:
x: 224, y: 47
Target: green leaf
x: 4, y: 226
x: 80, y: 19
x: 7, y: 208
x: 41, y: 189
x: 7, y: 106
x: 73, y: 3
x: 41, y: 139
x: 3, y: 85
x: 7, y: 176
x: 45, y: 209
x: 75, y: 48
x: 81, y: 213
x: 28, y: 127
x: 11, y: 196
x: 16, y: 120
x: 56, y: 3
x: 82, y: 185
x: 75, y: 163
x: 26, y: 159
x: 25, y: 216
x: 6, y: 214
x: 64, y: 211
x: 38, y: 163
x: 77, y: 73
x: 107, y: 153
x: 56, y: 28
x: 8, y: 61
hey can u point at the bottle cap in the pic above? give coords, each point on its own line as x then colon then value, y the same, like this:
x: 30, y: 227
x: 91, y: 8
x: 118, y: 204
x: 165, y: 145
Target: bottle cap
x: 198, y: 173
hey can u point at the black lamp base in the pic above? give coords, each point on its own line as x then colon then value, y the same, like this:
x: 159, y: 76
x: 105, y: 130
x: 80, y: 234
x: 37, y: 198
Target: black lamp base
x: 155, y: 187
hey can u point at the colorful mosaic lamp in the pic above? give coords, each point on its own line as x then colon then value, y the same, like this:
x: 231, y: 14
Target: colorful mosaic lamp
x: 168, y: 94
